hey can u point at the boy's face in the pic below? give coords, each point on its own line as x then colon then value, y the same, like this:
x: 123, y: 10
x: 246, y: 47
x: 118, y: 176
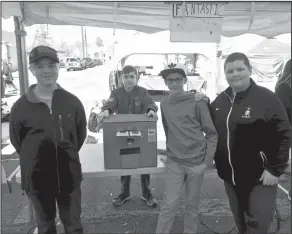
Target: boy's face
x: 46, y: 71
x: 175, y: 82
x: 129, y: 80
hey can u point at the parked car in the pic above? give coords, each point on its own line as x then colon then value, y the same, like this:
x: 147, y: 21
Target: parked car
x: 82, y: 62
x: 73, y: 64
x: 97, y: 62
x: 89, y: 62
x: 62, y: 63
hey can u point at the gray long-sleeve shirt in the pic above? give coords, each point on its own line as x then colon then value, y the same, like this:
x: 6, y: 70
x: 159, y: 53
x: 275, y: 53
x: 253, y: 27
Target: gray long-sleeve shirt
x: 191, y: 137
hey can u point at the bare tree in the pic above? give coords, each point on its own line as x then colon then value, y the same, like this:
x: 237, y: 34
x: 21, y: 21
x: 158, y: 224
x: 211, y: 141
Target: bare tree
x: 99, y: 42
x: 42, y: 36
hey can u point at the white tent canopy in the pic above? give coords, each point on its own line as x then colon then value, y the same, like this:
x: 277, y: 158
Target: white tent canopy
x: 267, y: 19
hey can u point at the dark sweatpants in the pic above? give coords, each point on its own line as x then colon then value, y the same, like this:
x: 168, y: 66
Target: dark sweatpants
x: 262, y: 205
x: 145, y: 181
x: 69, y: 205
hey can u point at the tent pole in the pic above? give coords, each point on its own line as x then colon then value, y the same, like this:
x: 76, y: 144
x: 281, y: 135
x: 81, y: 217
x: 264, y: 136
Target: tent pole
x: 19, y: 55
x: 24, y: 55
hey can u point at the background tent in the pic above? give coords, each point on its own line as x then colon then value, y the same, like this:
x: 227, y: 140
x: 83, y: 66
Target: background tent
x: 268, y: 58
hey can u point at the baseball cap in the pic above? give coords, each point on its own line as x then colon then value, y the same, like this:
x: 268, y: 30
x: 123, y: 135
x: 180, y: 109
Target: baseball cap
x: 41, y: 52
x: 171, y: 68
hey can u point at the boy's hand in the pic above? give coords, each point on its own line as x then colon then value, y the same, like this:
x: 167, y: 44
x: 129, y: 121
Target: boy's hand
x: 152, y: 113
x: 200, y: 96
x: 104, y: 114
x: 269, y: 179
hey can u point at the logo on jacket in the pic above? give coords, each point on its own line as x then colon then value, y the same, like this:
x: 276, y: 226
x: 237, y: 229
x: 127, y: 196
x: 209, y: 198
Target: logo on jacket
x: 247, y: 113
x: 137, y: 101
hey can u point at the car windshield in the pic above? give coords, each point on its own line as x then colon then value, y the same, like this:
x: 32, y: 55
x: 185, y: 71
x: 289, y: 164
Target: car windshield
x: 73, y: 60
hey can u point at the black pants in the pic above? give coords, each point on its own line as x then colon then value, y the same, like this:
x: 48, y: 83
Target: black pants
x: 145, y: 181
x: 262, y: 205
x: 69, y: 205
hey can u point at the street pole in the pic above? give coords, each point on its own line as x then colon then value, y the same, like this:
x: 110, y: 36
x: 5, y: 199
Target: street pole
x: 82, y: 36
x: 86, y: 52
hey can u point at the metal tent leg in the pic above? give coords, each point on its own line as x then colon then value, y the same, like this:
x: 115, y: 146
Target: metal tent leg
x: 21, y: 54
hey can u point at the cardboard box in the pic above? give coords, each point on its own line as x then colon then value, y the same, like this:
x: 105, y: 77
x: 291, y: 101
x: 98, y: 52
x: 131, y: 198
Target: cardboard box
x: 129, y: 141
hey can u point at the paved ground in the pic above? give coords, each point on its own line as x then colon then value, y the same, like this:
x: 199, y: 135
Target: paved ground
x: 98, y: 215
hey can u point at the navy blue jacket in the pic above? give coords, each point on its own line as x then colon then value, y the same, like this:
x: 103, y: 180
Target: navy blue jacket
x: 48, y: 142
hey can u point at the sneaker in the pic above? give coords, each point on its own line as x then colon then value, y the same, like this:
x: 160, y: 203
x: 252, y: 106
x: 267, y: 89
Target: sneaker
x: 121, y: 199
x: 150, y: 200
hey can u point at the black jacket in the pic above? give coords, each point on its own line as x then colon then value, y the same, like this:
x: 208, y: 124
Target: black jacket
x: 138, y: 101
x: 48, y: 143
x: 253, y: 134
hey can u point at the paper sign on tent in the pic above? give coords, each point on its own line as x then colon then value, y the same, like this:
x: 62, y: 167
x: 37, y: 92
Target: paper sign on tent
x: 196, y: 22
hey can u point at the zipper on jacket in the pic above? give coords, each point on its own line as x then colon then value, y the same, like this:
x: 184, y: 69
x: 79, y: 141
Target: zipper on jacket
x: 264, y: 158
x: 56, y: 149
x: 61, y: 127
x: 228, y: 138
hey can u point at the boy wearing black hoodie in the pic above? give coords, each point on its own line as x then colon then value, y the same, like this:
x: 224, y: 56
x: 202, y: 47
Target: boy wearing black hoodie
x: 189, y: 151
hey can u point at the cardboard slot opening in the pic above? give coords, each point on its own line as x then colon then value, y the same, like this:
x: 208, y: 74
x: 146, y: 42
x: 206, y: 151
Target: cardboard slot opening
x: 135, y: 150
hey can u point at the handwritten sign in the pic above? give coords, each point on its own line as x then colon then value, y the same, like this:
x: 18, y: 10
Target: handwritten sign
x: 196, y: 22
x: 199, y: 10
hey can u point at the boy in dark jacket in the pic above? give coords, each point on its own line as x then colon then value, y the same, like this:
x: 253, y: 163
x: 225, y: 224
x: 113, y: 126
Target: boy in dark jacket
x: 253, y: 145
x: 131, y: 99
x: 47, y: 129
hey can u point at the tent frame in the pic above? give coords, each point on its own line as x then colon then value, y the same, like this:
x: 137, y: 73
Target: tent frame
x: 249, y: 15
x: 20, y: 35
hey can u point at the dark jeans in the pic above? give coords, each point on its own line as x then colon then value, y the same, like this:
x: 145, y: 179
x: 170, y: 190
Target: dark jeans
x: 69, y: 205
x: 262, y: 205
x: 145, y: 181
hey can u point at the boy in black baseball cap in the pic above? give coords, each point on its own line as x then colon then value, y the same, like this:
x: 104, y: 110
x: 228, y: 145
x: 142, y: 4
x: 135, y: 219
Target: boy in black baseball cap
x: 47, y: 129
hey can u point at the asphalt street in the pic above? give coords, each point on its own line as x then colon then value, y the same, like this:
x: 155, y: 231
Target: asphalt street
x: 98, y: 214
